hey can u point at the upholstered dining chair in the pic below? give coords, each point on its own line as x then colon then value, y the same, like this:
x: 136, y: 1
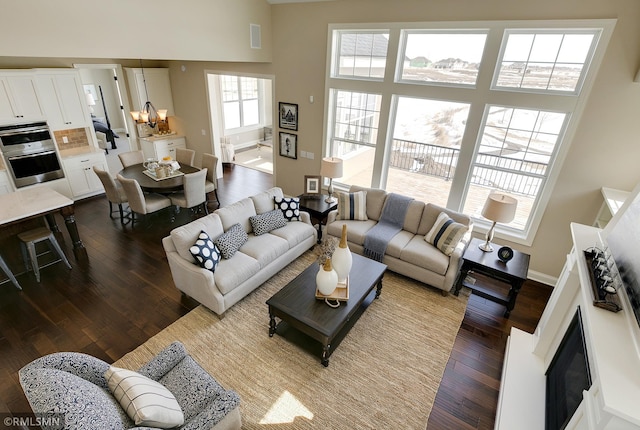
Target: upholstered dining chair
x: 185, y: 156
x: 210, y: 162
x: 130, y: 158
x: 139, y: 202
x: 194, y: 195
x: 114, y: 191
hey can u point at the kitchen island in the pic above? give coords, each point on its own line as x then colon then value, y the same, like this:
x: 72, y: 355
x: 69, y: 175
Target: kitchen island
x: 33, y: 202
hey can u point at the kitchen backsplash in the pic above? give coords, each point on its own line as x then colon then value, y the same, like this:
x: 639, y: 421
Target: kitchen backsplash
x: 76, y: 138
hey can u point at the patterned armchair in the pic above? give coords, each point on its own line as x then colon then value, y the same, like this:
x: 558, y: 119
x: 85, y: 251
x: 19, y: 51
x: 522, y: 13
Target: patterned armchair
x: 73, y: 384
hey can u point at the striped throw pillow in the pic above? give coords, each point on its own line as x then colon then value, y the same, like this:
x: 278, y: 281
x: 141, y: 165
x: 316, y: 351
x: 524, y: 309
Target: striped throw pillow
x: 147, y: 402
x: 445, y: 234
x: 352, y: 206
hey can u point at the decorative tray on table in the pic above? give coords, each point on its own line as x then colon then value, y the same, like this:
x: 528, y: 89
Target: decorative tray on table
x: 340, y: 294
x: 153, y: 176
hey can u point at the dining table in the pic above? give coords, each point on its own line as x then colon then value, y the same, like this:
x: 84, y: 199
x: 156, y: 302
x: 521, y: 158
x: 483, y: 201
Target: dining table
x: 148, y: 182
x: 34, y: 202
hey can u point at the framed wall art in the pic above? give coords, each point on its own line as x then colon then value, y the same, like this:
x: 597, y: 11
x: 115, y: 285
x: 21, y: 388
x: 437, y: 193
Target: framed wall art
x: 288, y: 145
x: 311, y: 184
x: 288, y: 114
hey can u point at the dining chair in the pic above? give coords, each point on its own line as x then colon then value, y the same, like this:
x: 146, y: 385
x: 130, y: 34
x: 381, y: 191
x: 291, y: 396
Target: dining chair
x: 114, y: 191
x: 139, y: 202
x: 130, y: 158
x: 194, y: 194
x: 185, y: 156
x: 210, y: 162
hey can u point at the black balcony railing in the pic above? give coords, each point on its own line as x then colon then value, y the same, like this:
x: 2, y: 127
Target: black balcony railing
x: 507, y: 174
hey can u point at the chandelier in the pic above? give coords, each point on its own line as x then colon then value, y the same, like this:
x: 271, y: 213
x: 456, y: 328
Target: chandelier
x: 149, y: 115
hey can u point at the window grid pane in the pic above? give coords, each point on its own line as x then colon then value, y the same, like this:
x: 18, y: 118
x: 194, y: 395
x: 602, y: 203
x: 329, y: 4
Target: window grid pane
x: 545, y: 61
x: 361, y: 54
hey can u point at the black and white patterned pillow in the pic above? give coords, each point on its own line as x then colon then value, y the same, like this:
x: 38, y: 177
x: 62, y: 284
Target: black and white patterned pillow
x: 205, y: 252
x: 231, y: 240
x: 267, y: 221
x: 290, y: 207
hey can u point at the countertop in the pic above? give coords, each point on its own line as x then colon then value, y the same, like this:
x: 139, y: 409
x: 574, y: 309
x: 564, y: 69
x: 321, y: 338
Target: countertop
x: 163, y: 137
x: 80, y: 151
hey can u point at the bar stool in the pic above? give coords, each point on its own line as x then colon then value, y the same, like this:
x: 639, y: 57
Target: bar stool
x: 9, y: 273
x: 28, y: 241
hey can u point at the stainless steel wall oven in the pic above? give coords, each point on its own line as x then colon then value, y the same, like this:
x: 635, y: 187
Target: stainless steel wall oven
x: 30, y: 154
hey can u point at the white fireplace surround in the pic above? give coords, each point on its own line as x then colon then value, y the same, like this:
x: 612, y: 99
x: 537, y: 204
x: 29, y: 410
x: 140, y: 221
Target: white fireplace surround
x: 613, y: 350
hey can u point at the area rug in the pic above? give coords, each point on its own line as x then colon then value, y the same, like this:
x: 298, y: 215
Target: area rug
x: 384, y: 375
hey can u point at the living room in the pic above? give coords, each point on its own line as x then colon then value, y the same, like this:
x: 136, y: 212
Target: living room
x: 294, y: 41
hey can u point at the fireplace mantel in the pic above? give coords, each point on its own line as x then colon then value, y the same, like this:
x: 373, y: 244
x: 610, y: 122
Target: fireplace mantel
x: 612, y: 348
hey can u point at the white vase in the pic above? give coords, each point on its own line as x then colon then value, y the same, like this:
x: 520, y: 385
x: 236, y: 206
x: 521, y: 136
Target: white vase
x: 342, y: 258
x: 326, y: 279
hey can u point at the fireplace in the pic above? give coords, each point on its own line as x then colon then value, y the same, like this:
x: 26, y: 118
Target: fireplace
x: 580, y: 343
x: 567, y: 377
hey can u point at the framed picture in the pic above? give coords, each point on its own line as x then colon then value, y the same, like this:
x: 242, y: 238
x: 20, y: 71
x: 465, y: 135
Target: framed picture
x: 288, y: 114
x: 288, y: 145
x: 311, y: 184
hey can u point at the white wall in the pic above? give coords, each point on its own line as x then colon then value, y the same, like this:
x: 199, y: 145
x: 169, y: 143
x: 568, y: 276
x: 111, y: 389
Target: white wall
x: 159, y: 29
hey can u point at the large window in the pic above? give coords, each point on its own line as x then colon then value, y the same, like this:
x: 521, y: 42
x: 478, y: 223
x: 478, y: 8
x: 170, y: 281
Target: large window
x: 239, y: 101
x: 462, y: 109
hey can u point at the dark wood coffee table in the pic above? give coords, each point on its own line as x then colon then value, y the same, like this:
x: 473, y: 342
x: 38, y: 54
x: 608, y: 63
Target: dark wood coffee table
x: 303, y: 316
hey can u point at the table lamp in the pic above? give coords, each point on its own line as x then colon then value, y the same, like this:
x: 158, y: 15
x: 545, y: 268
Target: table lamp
x: 91, y: 101
x: 499, y: 207
x: 331, y: 168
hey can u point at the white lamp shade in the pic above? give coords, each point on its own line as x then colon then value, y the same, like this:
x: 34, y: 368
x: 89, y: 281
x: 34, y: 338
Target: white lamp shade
x: 144, y: 116
x: 135, y: 115
x: 90, y: 100
x: 331, y: 167
x: 500, y: 207
x: 162, y: 114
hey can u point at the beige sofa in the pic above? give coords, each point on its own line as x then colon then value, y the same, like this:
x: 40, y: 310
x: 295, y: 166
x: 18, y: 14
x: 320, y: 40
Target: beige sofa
x: 407, y: 253
x: 256, y: 261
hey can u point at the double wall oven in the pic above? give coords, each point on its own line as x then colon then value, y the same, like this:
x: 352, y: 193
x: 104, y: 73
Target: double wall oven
x: 30, y: 154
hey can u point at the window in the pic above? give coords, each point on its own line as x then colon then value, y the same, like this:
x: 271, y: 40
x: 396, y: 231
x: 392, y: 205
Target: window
x: 545, y: 60
x: 239, y: 101
x: 360, y: 54
x: 355, y: 132
x: 470, y: 108
x: 442, y: 57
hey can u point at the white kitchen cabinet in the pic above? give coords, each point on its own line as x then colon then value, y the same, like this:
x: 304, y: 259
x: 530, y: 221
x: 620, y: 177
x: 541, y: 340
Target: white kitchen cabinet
x: 160, y: 147
x: 19, y: 101
x: 5, y: 183
x: 79, y: 171
x: 158, y: 88
x: 63, y: 99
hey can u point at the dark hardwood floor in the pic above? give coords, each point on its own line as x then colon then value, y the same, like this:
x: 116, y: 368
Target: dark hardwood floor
x: 124, y: 294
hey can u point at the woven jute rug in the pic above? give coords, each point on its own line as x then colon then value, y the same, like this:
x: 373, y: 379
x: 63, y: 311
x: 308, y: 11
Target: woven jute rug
x: 384, y: 375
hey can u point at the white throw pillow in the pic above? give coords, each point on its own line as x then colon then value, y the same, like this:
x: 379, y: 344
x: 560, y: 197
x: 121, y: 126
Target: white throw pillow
x: 446, y: 233
x: 147, y: 402
x: 352, y: 206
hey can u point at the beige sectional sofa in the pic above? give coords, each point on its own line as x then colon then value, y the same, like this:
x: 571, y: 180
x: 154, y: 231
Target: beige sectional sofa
x: 257, y: 260
x: 408, y: 253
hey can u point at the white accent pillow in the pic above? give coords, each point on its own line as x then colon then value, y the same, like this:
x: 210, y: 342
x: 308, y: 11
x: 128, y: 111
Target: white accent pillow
x: 446, y: 233
x: 147, y: 402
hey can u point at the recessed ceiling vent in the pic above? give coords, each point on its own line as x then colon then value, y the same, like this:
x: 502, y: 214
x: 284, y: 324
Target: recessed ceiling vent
x: 256, y: 42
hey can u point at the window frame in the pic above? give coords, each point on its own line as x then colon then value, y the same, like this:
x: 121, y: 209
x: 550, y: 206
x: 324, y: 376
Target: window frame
x: 480, y: 96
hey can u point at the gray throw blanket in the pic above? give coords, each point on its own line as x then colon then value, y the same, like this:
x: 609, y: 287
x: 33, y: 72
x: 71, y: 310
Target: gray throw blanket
x: 390, y: 223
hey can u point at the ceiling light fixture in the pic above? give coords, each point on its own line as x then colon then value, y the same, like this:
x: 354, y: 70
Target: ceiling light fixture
x: 148, y: 114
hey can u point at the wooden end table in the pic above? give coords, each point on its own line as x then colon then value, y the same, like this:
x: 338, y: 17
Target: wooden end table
x: 513, y: 272
x: 317, y: 208
x: 304, y: 318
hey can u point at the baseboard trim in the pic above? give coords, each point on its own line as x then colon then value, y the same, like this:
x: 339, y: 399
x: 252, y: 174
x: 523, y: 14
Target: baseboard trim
x: 543, y: 278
